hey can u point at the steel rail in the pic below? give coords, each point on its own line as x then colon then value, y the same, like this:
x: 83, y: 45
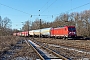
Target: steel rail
x: 35, y: 50
x: 54, y: 53
x: 49, y: 51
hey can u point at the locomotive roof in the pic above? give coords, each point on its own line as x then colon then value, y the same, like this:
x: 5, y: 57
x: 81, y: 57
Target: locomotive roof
x: 62, y: 27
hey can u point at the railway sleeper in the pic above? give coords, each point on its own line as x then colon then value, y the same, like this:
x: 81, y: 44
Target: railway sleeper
x: 46, y: 55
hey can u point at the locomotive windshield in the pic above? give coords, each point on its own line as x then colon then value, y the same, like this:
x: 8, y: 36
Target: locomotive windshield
x: 71, y: 29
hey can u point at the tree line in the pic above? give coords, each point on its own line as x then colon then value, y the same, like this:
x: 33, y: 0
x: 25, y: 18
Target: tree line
x: 81, y: 20
x: 5, y: 26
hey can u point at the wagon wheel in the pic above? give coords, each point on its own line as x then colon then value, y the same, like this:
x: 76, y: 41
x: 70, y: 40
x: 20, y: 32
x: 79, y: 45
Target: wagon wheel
x: 65, y: 38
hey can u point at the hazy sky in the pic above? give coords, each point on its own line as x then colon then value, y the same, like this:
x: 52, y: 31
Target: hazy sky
x: 21, y: 10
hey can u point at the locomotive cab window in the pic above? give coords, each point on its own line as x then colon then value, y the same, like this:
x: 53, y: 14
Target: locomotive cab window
x: 71, y: 29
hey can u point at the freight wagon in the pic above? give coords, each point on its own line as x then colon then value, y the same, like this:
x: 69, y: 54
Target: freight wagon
x: 36, y: 33
x: 25, y: 33
x: 14, y: 34
x: 45, y: 32
x: 18, y: 34
x: 31, y: 33
x: 40, y: 32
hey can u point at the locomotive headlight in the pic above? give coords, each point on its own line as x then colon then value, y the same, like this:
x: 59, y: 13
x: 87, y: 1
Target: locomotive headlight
x: 74, y: 32
x: 70, y: 32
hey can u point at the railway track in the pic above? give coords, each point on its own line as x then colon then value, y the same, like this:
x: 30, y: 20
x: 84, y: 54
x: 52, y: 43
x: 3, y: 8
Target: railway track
x: 45, y: 53
x: 69, y: 52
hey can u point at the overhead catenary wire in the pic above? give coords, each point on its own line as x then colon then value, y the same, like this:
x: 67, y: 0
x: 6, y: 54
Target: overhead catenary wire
x: 21, y: 11
x: 49, y: 6
x: 75, y: 8
x: 14, y: 9
x: 69, y: 9
x: 79, y: 6
x: 45, y: 9
x: 44, y: 5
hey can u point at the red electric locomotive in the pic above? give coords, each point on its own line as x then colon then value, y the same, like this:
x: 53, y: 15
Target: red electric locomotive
x: 64, y: 32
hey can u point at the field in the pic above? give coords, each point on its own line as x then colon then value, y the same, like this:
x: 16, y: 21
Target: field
x: 72, y: 49
x: 15, y: 48
x: 12, y: 47
x: 79, y: 44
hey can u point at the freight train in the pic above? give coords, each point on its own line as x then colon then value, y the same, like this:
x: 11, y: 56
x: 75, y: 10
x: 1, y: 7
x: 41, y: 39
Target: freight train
x: 59, y: 32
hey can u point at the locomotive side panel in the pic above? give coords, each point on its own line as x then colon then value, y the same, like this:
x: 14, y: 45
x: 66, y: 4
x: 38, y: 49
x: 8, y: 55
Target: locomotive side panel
x: 65, y: 31
x: 59, y: 32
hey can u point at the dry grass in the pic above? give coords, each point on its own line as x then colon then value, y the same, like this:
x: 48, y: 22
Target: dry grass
x: 18, y: 46
x: 6, y: 41
x: 78, y: 44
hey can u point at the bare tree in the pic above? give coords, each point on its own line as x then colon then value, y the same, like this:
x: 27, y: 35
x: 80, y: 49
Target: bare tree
x: 86, y: 21
x: 80, y: 20
x: 37, y: 24
x: 61, y: 20
x: 6, y: 23
x: 0, y: 21
x: 26, y: 26
x: 5, y: 26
